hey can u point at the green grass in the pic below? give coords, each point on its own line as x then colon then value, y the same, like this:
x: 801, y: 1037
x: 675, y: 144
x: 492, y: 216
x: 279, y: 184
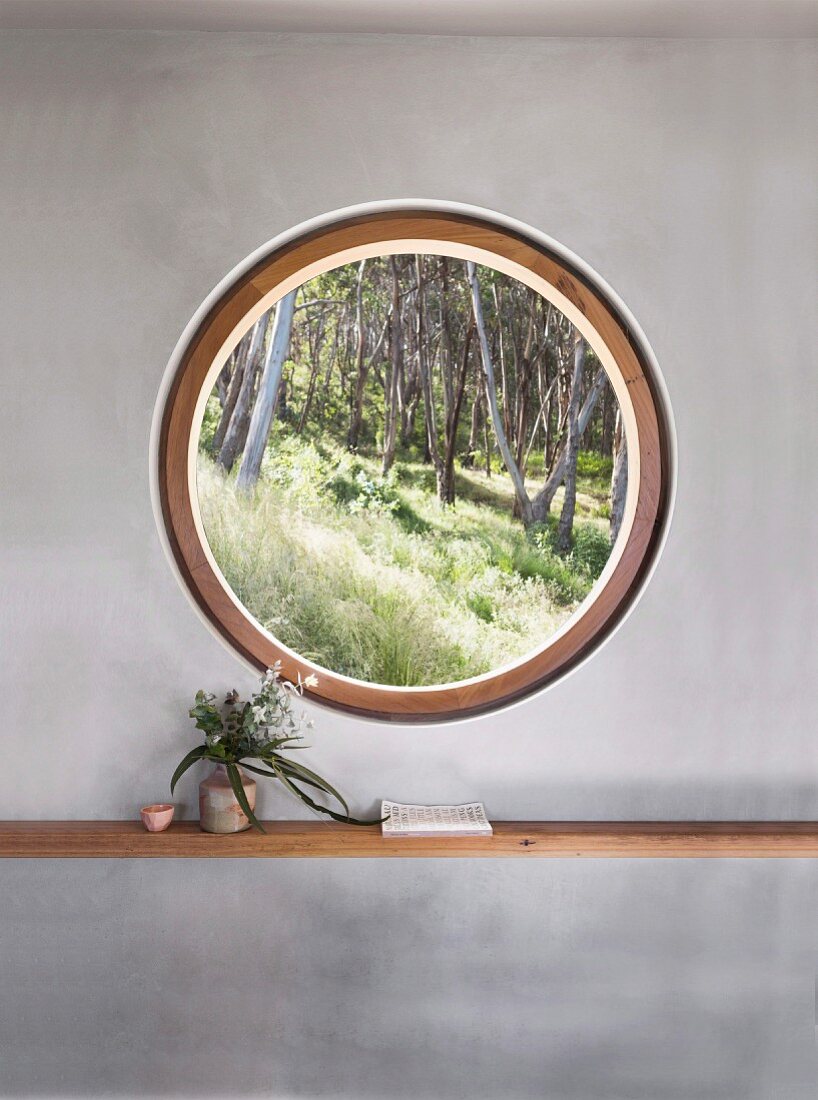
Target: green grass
x: 378, y: 581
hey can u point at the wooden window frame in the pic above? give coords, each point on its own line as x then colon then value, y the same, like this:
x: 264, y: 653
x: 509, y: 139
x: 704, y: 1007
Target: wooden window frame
x: 461, y: 236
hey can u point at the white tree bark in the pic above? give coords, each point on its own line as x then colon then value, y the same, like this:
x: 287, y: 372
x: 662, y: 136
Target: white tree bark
x: 542, y: 501
x: 491, y: 395
x: 236, y: 431
x: 267, y: 397
x: 392, y: 386
x: 619, y: 480
x: 566, y: 523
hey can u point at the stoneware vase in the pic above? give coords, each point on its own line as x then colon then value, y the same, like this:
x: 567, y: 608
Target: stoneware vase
x: 219, y: 812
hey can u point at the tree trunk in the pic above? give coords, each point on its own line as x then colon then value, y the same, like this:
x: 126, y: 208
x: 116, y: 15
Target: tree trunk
x: 430, y: 414
x: 491, y: 397
x: 236, y: 432
x: 356, y: 418
x: 265, y: 406
x: 223, y: 380
x: 357, y: 395
x: 392, y: 388
x: 231, y: 397
x: 541, y: 504
x: 445, y: 483
x: 331, y: 361
x: 608, y: 426
x: 619, y: 480
x: 314, y: 347
x: 474, y: 431
x: 566, y: 523
x: 410, y: 408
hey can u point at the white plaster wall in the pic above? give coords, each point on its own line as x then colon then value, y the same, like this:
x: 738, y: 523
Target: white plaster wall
x: 135, y: 171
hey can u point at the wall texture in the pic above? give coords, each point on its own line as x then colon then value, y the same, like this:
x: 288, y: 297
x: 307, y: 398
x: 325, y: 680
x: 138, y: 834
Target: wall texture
x: 135, y: 171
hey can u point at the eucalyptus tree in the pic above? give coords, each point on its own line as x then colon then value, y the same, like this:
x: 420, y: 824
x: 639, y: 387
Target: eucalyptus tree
x: 566, y: 522
x: 437, y: 345
x: 491, y: 397
x: 235, y: 434
x: 265, y: 404
x: 393, y: 372
x: 535, y: 509
x: 619, y: 479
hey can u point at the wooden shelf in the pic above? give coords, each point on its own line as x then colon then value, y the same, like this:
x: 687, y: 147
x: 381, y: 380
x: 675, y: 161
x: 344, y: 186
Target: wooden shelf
x: 317, y: 839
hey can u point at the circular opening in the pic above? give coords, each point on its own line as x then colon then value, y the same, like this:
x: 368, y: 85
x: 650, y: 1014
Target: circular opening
x: 416, y: 458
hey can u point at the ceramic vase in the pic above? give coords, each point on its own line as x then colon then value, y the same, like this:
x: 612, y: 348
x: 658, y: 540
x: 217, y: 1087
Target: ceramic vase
x: 219, y: 812
x: 157, y: 816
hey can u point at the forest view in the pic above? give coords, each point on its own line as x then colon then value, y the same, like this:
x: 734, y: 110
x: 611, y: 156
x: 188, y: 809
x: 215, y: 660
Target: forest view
x: 412, y: 470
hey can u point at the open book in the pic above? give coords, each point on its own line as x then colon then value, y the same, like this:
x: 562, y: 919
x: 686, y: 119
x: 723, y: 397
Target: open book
x: 404, y: 820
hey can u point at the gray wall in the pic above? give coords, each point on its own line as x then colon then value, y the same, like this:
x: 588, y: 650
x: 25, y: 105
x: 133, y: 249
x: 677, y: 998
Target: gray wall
x: 135, y: 171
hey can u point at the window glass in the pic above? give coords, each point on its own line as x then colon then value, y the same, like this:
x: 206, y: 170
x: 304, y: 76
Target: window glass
x: 411, y: 470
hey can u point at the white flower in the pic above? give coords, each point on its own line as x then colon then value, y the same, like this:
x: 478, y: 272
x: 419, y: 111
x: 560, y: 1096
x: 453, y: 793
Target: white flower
x: 311, y: 681
x: 260, y: 714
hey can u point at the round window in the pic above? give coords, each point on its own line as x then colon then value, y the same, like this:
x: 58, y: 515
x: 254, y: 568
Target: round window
x: 416, y: 458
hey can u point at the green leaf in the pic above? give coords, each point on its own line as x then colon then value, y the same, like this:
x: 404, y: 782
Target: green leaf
x: 206, y: 716
x: 260, y: 771
x: 307, y: 776
x: 241, y: 797
x: 301, y: 779
x: 275, y: 775
x: 187, y: 762
x: 344, y: 818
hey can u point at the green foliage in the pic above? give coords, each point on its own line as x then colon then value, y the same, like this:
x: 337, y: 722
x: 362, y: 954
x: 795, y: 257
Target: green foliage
x: 410, y: 520
x: 556, y: 573
x: 592, y: 548
x: 481, y: 605
x: 373, y: 578
x: 594, y: 467
x: 372, y: 495
x: 364, y: 492
x: 574, y: 573
x: 543, y: 535
x: 298, y: 467
x: 212, y: 416
x: 257, y: 730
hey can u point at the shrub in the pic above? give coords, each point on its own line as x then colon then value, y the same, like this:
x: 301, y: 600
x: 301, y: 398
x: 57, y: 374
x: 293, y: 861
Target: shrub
x: 592, y: 548
x: 372, y: 495
x: 298, y: 467
x: 565, y: 586
x: 212, y: 416
x: 543, y: 535
x: 343, y: 489
x: 594, y: 466
x: 481, y: 605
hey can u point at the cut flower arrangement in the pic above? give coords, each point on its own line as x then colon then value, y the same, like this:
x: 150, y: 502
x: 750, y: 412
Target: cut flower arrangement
x: 258, y: 730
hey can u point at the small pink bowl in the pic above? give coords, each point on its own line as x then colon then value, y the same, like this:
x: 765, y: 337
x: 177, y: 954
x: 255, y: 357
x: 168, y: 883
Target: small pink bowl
x: 156, y: 818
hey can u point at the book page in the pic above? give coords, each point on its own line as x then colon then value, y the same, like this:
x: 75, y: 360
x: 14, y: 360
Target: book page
x: 411, y: 820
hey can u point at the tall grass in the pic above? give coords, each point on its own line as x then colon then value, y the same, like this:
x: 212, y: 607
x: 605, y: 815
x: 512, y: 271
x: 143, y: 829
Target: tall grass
x: 375, y: 580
